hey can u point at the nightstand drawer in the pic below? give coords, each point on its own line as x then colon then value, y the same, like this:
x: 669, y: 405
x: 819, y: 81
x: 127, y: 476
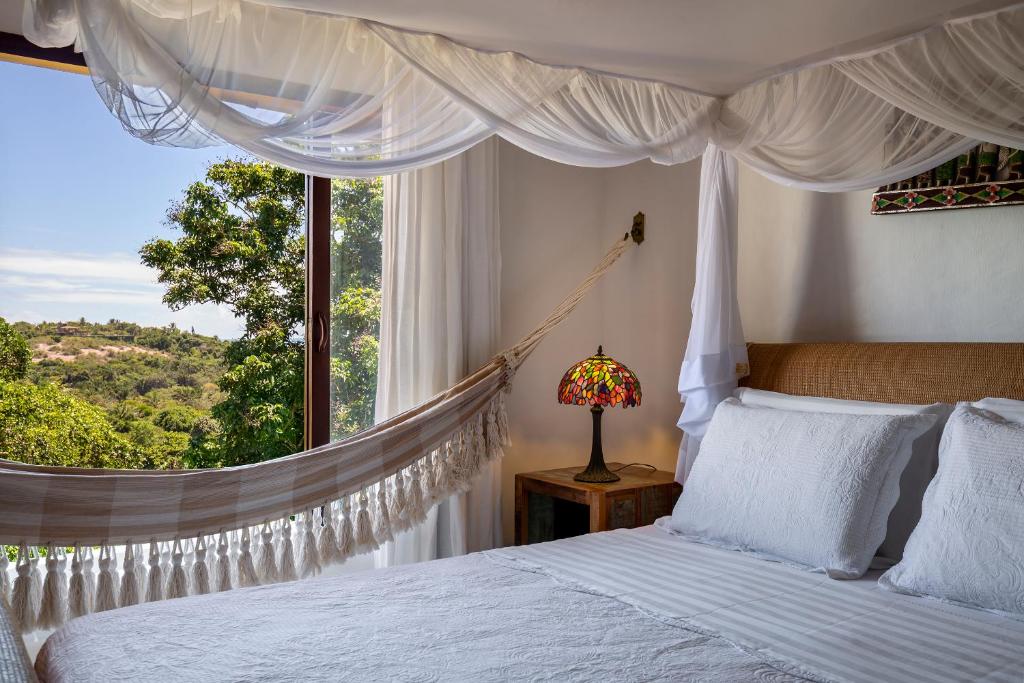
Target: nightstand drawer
x: 622, y: 511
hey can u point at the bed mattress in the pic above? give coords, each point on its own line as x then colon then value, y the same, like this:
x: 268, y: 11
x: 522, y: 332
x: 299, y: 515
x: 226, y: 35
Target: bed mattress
x: 639, y: 605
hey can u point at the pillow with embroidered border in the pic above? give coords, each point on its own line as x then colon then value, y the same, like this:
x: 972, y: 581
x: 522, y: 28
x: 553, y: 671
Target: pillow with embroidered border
x: 968, y: 548
x: 921, y: 467
x: 808, y: 489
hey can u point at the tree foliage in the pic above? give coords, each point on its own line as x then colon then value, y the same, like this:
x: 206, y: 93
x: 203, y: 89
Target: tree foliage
x: 355, y: 316
x: 357, y: 210
x: 262, y: 416
x: 14, y: 353
x: 46, y: 425
x: 117, y: 394
x: 243, y: 246
x: 153, y: 387
x: 356, y: 218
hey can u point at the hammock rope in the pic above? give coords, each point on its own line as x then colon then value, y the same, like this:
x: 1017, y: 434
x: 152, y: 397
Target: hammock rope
x: 189, y: 532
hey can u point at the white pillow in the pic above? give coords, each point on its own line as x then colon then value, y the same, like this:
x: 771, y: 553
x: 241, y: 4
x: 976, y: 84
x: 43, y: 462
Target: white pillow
x: 1006, y: 408
x: 813, y: 489
x: 922, y: 464
x: 969, y: 547
x: 818, y: 404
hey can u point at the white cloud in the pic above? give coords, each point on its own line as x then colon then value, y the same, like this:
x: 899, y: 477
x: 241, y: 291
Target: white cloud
x: 40, y: 262
x: 74, y: 289
x: 39, y: 284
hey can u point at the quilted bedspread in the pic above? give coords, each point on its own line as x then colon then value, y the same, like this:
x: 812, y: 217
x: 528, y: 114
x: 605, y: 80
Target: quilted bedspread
x: 462, y: 619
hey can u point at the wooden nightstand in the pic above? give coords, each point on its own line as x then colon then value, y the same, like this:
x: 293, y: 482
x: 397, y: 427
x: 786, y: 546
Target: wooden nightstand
x: 551, y: 505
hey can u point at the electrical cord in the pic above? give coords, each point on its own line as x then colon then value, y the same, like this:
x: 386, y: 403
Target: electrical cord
x: 636, y: 464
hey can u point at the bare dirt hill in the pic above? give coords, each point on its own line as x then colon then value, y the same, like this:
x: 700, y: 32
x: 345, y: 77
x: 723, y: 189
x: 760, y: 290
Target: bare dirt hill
x: 44, y: 351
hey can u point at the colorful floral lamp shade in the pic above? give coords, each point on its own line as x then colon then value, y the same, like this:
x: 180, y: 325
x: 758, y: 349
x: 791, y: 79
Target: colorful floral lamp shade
x: 599, y: 381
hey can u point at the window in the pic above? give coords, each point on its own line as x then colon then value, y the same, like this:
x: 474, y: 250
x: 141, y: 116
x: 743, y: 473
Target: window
x: 113, y: 377
x: 155, y: 299
x: 355, y: 242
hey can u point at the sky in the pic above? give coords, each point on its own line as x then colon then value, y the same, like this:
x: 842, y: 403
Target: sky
x: 78, y: 197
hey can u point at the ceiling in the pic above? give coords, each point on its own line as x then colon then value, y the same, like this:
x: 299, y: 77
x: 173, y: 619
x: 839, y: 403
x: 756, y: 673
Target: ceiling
x: 714, y: 46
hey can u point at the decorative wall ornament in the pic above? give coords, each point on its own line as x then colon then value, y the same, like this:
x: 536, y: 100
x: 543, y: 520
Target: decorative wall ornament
x: 986, y: 175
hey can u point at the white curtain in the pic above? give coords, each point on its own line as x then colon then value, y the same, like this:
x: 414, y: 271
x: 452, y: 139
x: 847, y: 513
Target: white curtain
x: 440, y: 319
x: 716, y: 354
x: 199, y: 72
x: 966, y: 76
x: 362, y: 98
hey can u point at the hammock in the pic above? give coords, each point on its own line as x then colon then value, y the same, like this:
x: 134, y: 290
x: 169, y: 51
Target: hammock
x: 189, y: 532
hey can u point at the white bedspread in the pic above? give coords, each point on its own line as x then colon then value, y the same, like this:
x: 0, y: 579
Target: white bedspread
x: 638, y: 605
x: 464, y: 619
x: 801, y: 621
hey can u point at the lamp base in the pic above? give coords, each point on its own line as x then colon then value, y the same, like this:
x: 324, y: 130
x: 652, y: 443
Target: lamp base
x: 596, y: 472
x: 597, y: 475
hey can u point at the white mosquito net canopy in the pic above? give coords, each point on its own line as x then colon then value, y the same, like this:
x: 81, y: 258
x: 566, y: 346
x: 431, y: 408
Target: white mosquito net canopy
x: 830, y: 96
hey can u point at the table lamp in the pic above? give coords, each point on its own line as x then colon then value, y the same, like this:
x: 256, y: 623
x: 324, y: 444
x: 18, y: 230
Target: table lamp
x: 598, y: 381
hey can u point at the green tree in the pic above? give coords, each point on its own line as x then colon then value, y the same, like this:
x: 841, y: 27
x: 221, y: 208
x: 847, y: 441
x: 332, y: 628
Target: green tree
x: 243, y: 246
x: 357, y: 210
x: 46, y: 425
x: 262, y: 416
x: 14, y: 353
x: 178, y: 418
x: 356, y: 218
x: 355, y: 331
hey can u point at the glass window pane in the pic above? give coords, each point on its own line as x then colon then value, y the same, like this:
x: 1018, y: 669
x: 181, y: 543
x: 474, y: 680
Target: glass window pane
x: 356, y: 217
x: 160, y: 291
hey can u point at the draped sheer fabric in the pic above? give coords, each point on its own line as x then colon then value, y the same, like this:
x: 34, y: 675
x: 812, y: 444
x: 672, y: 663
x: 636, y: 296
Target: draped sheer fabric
x: 441, y: 308
x: 715, y: 350
x: 818, y: 130
x: 360, y: 98
x: 966, y: 76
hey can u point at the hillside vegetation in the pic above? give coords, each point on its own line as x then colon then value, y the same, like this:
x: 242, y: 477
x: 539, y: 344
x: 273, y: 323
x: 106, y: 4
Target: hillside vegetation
x: 121, y: 395
x: 111, y: 395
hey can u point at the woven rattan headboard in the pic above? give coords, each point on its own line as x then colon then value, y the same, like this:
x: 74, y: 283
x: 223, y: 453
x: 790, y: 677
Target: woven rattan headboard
x: 902, y: 372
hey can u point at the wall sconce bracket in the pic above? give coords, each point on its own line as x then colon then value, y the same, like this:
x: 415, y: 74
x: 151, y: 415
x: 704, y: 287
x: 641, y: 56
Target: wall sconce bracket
x: 637, y: 231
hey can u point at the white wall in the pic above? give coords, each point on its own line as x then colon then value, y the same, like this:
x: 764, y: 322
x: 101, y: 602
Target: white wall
x: 556, y: 222
x: 813, y: 267
x: 820, y: 267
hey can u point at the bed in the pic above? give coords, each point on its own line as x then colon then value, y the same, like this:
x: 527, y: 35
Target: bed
x: 601, y: 607
x: 640, y: 604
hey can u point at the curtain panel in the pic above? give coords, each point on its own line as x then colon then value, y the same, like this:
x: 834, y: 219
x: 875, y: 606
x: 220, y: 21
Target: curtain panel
x: 441, y: 311
x: 716, y: 354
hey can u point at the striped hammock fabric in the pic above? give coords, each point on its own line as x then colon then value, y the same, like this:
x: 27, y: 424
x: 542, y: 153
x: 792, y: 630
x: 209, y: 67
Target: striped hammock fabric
x: 96, y: 539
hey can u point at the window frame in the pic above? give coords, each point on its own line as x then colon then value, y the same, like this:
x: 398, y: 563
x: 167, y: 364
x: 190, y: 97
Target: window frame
x: 20, y: 50
x: 317, y: 408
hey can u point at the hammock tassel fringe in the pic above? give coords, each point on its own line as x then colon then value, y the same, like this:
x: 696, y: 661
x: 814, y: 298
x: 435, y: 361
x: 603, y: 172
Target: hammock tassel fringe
x: 325, y: 536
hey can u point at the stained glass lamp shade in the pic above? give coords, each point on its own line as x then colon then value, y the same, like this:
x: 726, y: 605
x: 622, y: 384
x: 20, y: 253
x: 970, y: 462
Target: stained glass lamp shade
x: 597, y: 382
